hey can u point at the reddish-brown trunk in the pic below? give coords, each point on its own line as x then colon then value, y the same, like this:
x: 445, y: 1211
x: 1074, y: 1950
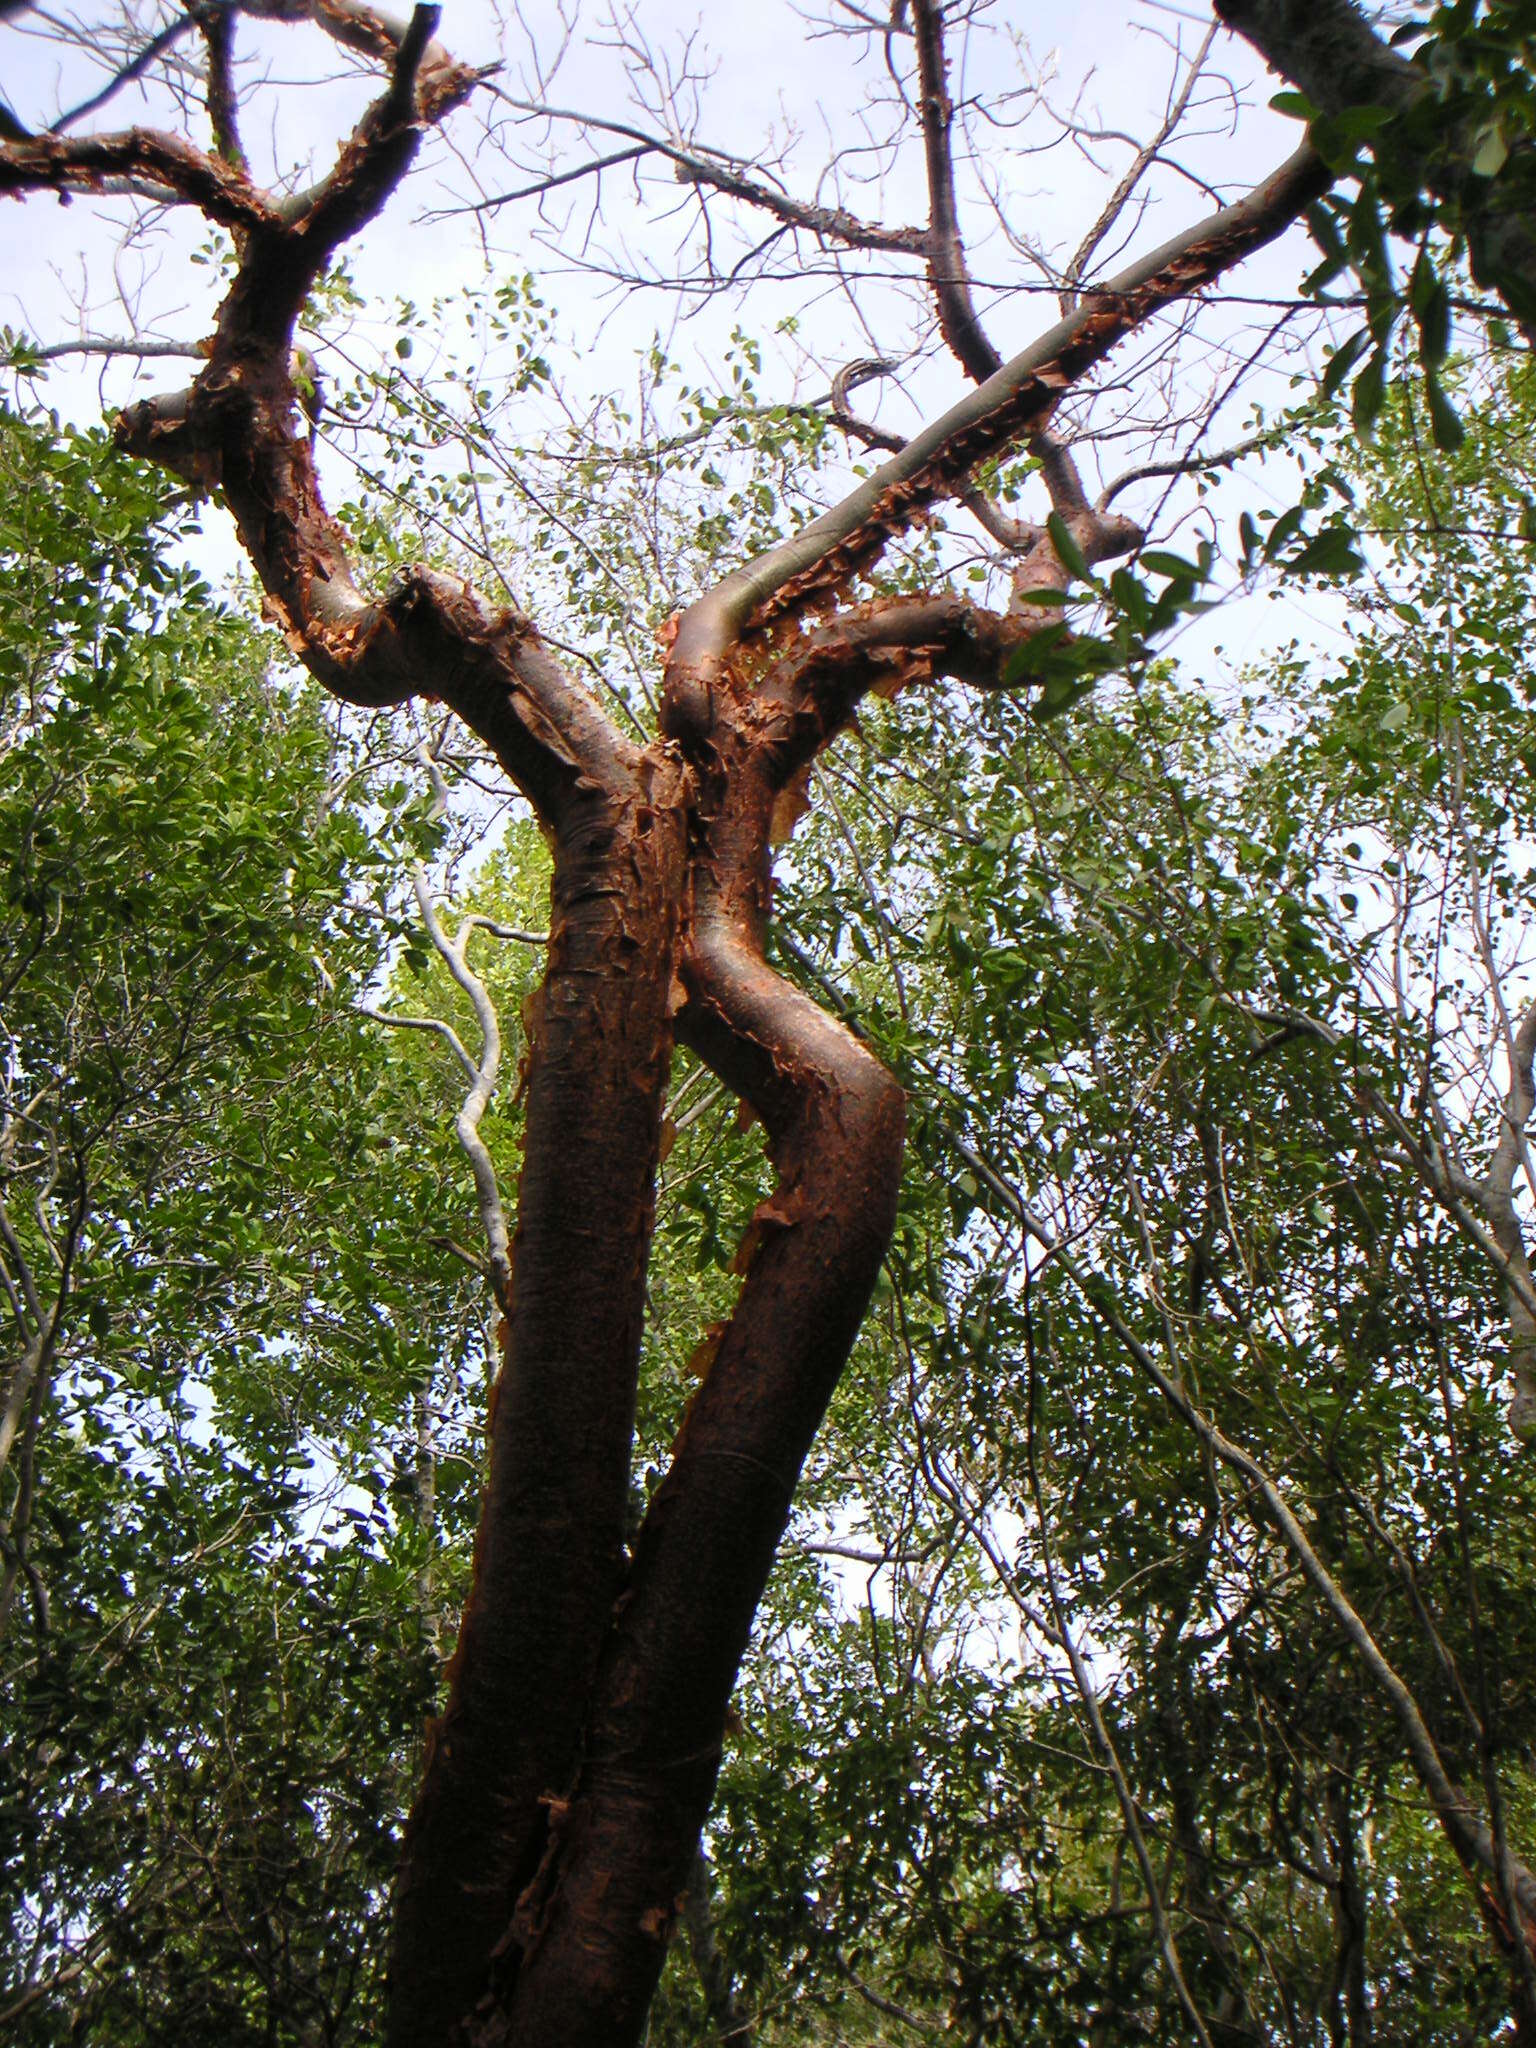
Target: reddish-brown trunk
x: 549, y: 1553
x: 599, y: 1923
x: 572, y: 1769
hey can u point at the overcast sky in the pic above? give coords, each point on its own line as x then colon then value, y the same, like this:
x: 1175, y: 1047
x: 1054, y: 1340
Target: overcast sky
x: 768, y: 84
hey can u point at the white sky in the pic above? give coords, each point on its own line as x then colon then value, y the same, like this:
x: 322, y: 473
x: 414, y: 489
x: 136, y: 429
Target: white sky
x: 770, y: 79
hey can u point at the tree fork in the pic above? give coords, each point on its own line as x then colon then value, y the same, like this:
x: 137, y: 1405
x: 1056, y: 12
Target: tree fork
x: 594, y: 1931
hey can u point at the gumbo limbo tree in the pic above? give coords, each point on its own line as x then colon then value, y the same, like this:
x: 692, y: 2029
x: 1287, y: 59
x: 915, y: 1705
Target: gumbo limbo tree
x: 569, y: 1775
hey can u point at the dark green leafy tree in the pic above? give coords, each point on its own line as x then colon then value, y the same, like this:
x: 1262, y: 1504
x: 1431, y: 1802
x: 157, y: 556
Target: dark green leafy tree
x: 205, y: 1755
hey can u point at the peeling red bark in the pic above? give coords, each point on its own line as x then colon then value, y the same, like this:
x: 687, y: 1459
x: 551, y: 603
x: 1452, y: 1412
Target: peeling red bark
x: 598, y: 1925
x: 572, y: 1769
x: 549, y: 1551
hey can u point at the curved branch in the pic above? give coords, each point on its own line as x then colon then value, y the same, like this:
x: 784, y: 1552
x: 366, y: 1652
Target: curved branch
x: 864, y: 371
x: 820, y: 560
x: 61, y: 164
x: 483, y: 1074
x: 883, y: 646
x: 948, y: 271
x: 369, y: 31
x: 234, y: 429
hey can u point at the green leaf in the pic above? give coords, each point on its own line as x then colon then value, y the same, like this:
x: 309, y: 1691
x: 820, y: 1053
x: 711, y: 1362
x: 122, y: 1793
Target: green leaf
x: 1444, y: 421
x: 1435, y: 326
x: 1343, y: 360
x: 1492, y: 152
x: 1162, y: 563
x: 1285, y: 528
x: 1369, y: 391
x: 1060, y: 695
x: 1068, y: 552
x: 1332, y: 552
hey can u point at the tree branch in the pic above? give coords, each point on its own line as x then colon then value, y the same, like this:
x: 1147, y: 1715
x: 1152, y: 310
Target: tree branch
x: 1497, y: 1195
x: 218, y: 29
x: 234, y: 429
x: 720, y: 174
x: 1141, y: 163
x: 483, y: 1074
x: 135, y: 67
x: 62, y: 164
x: 1329, y: 49
x: 819, y: 561
x: 948, y: 271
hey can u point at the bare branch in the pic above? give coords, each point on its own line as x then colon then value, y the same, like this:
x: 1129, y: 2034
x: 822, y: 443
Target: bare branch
x: 1497, y: 1194
x: 718, y: 172
x: 136, y: 66
x: 1186, y: 465
x: 537, y: 187
x: 218, y: 29
x: 1141, y: 163
x: 112, y: 345
x: 483, y: 1074
x: 947, y: 268
x: 821, y: 559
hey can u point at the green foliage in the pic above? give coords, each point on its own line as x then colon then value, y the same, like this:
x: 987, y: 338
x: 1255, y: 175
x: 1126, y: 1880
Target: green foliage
x: 206, y: 1536
x: 1450, y: 177
x: 1096, y: 950
x: 1175, y: 975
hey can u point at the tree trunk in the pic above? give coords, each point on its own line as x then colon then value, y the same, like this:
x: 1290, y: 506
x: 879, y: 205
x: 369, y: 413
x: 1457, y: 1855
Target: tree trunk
x: 549, y: 1551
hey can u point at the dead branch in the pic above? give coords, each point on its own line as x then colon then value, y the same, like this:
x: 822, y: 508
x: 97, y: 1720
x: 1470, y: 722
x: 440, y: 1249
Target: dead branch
x: 1140, y: 164
x: 707, y: 169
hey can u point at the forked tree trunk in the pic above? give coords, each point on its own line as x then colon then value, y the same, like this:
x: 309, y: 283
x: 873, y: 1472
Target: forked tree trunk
x: 571, y: 1772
